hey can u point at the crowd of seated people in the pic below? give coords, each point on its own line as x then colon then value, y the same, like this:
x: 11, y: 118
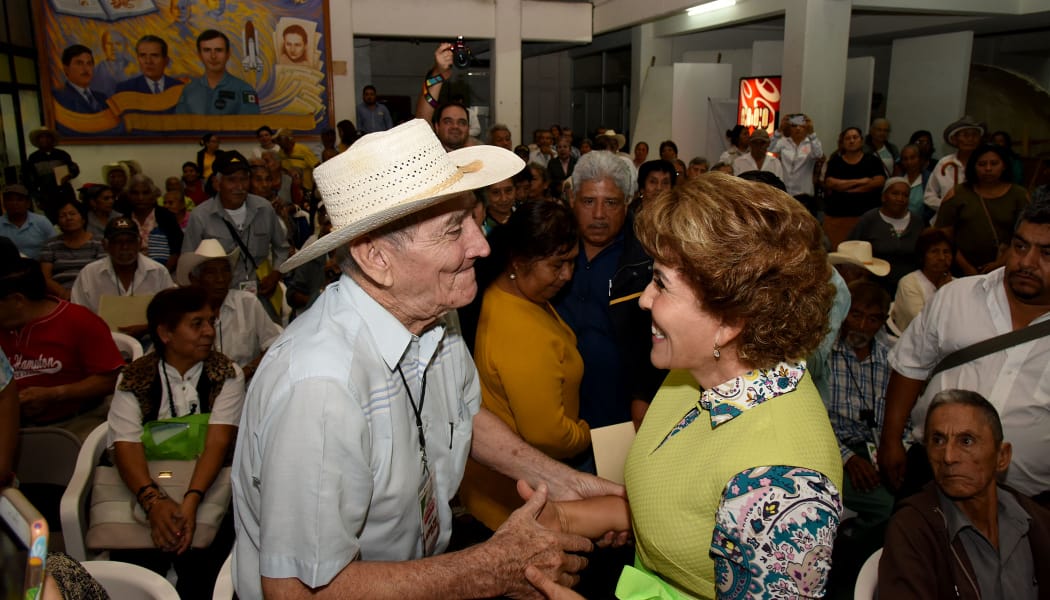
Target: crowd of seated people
x: 917, y: 236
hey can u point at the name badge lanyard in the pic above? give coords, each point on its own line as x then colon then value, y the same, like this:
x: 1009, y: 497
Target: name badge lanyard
x: 430, y: 526
x: 868, y: 414
x: 418, y: 412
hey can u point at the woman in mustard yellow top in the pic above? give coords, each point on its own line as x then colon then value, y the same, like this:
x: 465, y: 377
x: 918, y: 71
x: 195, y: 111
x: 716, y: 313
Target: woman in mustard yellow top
x: 526, y: 355
x: 732, y: 478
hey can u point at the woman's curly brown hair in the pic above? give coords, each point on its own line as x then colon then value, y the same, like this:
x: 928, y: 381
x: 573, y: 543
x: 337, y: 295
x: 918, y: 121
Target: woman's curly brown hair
x: 752, y: 254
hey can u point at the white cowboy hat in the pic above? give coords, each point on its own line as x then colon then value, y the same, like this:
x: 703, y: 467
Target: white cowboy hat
x: 391, y: 174
x: 209, y: 249
x: 858, y: 253
x: 619, y: 137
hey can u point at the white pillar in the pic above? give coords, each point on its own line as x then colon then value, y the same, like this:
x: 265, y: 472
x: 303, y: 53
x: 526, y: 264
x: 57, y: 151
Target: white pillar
x: 647, y: 50
x: 342, y: 87
x: 816, y: 44
x: 506, y: 68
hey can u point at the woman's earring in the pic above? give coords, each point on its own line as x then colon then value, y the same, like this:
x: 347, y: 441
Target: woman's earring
x: 716, y: 353
x: 513, y: 276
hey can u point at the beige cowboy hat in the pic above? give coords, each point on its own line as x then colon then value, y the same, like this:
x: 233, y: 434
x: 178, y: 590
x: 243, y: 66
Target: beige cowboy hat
x: 34, y: 136
x: 116, y: 166
x: 391, y: 174
x: 620, y: 138
x: 858, y: 253
x: 210, y: 249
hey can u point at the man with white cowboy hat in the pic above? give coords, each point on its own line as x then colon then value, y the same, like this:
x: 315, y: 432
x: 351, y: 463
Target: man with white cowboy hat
x: 858, y: 253
x: 48, y: 171
x: 243, y: 329
x: 357, y: 427
x: 965, y: 135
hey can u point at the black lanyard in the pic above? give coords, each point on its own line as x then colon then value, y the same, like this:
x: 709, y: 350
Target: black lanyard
x: 870, y: 417
x: 417, y: 410
x: 171, y: 397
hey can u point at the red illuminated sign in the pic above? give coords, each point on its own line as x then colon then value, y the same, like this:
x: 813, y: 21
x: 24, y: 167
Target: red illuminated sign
x: 759, y: 103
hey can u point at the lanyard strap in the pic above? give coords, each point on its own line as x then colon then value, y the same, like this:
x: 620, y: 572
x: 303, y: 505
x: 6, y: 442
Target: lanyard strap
x: 417, y: 410
x: 171, y: 396
x: 240, y: 244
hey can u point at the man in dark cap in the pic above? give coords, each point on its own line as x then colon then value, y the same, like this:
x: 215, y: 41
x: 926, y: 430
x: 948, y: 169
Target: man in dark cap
x: 241, y: 221
x: 123, y: 272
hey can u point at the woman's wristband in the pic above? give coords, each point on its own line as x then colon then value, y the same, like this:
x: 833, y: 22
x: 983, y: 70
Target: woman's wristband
x: 199, y: 493
x: 151, y: 484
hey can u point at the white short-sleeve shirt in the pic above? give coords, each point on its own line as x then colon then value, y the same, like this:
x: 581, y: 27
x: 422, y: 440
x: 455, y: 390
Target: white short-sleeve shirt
x: 243, y: 329
x: 1015, y: 380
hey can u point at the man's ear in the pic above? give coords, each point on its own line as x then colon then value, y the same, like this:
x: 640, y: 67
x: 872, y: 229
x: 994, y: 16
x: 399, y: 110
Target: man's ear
x: 373, y: 258
x: 1006, y: 453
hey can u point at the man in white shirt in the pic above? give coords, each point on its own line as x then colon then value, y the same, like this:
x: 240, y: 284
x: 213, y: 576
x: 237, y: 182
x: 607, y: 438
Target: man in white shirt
x: 965, y: 135
x: 967, y: 311
x: 124, y: 272
x: 243, y: 329
x: 758, y: 159
x: 357, y: 427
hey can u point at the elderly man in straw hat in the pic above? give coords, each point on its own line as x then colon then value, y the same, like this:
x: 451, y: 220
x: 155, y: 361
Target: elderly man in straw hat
x: 358, y: 424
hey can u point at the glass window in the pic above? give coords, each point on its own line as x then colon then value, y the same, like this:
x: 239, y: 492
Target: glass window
x: 5, y: 68
x: 21, y: 24
x: 25, y: 70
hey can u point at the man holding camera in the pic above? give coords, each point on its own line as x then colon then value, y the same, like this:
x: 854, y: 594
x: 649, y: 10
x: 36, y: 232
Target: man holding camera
x: 451, y: 120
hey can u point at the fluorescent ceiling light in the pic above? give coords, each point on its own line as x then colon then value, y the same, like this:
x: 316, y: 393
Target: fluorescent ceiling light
x: 710, y: 6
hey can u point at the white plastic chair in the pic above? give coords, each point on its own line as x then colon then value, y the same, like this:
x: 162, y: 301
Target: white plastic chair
x: 128, y: 346
x: 73, y: 509
x: 130, y: 582
x: 224, y: 583
x: 868, y: 578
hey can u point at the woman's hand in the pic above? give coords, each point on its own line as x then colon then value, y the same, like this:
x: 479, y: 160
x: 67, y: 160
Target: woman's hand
x: 166, y: 524
x: 189, y: 512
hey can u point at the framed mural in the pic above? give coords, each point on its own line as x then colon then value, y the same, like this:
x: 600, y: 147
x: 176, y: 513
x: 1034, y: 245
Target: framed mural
x: 130, y: 70
x: 758, y: 105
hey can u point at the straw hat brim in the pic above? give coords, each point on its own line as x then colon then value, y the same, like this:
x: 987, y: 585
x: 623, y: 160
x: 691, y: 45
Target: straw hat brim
x: 878, y: 266
x: 497, y: 164
x: 34, y: 136
x: 189, y: 262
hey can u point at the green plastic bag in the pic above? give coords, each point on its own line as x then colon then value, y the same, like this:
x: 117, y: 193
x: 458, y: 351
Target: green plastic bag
x: 179, y: 438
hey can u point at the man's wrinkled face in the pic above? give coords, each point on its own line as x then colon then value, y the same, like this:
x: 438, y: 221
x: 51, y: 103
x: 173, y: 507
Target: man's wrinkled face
x: 501, y: 138
x: 861, y: 324
x: 433, y: 271
x: 80, y: 70
x: 453, y: 128
x: 963, y: 452
x: 233, y: 188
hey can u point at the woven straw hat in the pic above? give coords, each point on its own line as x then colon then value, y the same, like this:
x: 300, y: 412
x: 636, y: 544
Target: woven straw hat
x: 391, y: 174
x: 858, y: 253
x: 209, y: 249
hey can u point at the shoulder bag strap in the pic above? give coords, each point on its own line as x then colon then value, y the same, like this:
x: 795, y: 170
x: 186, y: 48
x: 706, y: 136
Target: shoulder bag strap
x: 995, y: 344
x: 240, y: 244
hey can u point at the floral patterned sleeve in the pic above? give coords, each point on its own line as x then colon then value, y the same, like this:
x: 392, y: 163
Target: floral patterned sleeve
x: 774, y: 532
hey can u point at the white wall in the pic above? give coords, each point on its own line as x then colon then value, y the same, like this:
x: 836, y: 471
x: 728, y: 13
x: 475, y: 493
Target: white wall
x: 693, y: 127
x: 856, y: 105
x: 928, y: 81
x: 546, y: 97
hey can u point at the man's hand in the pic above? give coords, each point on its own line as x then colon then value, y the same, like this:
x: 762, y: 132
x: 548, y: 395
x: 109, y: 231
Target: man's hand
x: 34, y: 401
x: 166, y: 525
x: 547, y: 587
x: 862, y: 473
x: 522, y: 541
x: 269, y: 284
x: 892, y: 462
x: 442, y: 60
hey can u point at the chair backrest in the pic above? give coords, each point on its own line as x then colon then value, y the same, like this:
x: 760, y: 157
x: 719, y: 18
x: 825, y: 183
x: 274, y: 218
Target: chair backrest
x: 125, y: 580
x: 73, y: 508
x: 46, y: 455
x: 224, y: 582
x: 868, y: 578
x: 128, y: 346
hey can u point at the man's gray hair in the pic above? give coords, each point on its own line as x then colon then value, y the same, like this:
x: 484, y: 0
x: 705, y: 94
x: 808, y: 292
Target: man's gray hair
x: 598, y: 165
x: 967, y: 398
x: 143, y: 179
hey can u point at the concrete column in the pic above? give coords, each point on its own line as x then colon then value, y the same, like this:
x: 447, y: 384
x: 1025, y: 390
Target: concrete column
x: 816, y: 44
x: 647, y: 50
x: 342, y: 87
x: 506, y: 68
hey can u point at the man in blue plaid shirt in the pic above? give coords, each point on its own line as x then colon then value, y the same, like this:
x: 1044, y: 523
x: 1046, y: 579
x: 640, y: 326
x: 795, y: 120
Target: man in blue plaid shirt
x: 859, y: 370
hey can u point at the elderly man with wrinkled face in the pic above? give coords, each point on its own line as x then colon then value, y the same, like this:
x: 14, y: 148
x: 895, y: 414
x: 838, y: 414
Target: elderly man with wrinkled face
x: 357, y: 427
x: 965, y: 535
